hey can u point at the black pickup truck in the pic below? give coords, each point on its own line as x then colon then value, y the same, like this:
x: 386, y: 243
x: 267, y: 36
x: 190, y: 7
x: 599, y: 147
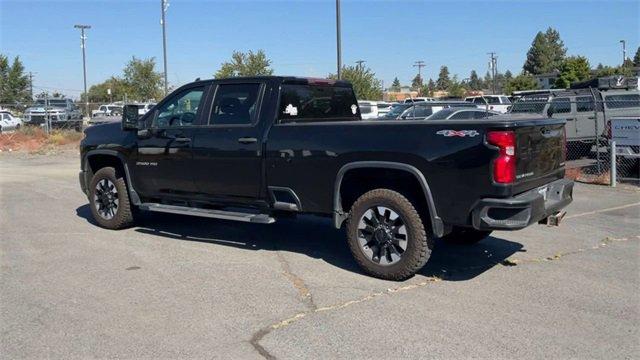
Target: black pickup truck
x: 254, y: 149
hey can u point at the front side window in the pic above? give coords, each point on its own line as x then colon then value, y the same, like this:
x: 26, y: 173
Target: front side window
x: 300, y: 102
x: 235, y: 104
x: 180, y: 110
x: 561, y: 105
x: 505, y: 100
x: 584, y: 103
x: 365, y: 109
x: 479, y: 101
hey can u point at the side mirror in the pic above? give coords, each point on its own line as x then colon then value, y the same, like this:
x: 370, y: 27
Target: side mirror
x: 130, y: 117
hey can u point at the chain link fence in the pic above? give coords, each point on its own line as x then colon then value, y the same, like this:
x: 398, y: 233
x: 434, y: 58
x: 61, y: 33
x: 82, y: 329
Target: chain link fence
x: 589, y: 116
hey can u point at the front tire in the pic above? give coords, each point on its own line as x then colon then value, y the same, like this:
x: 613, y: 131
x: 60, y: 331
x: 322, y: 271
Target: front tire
x: 465, y: 236
x: 386, y: 235
x: 109, y: 200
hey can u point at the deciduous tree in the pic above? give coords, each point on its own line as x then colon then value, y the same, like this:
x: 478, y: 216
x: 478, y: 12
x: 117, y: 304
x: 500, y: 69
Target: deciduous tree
x: 364, y: 81
x: 245, y: 64
x: 523, y: 81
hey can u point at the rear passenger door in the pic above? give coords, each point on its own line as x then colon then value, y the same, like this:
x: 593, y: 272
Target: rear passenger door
x: 227, y: 148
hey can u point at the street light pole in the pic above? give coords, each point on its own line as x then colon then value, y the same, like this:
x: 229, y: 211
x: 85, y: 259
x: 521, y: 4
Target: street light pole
x: 624, y: 51
x: 164, y: 4
x: 84, y: 64
x: 338, y: 42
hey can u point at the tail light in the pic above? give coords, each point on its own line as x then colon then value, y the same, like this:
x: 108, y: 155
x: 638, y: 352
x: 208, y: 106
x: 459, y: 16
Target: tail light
x: 504, y: 166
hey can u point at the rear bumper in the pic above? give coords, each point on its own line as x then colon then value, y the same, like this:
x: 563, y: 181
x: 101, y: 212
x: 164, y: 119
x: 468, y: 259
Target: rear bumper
x: 522, y: 210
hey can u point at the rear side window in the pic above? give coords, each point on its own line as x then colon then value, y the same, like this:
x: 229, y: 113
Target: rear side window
x: 306, y: 103
x: 584, y: 104
x: 235, y: 104
x: 479, y: 101
x: 461, y: 115
x: 481, y: 114
x: 561, y: 105
x: 622, y: 101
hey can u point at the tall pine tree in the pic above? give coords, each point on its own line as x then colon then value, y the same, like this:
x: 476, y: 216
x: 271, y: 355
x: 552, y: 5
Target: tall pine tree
x: 546, y: 53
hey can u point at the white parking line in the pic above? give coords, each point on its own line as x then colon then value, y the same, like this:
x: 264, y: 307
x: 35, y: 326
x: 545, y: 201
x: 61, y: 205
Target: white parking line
x: 602, y: 210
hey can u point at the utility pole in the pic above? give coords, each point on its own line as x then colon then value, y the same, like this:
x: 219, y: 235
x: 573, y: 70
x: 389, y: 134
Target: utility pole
x: 84, y: 64
x: 164, y: 5
x: 360, y: 62
x: 31, y: 84
x: 493, y: 66
x: 419, y: 64
x: 624, y: 51
x: 338, y: 40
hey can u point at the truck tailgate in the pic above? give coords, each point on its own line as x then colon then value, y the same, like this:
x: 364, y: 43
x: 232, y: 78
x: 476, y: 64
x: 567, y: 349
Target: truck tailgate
x: 540, y: 154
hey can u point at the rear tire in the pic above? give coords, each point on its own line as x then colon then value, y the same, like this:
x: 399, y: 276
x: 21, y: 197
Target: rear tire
x: 109, y: 200
x: 465, y: 236
x: 392, y: 244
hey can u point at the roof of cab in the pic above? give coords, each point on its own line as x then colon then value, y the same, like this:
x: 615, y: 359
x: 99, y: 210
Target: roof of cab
x: 281, y: 79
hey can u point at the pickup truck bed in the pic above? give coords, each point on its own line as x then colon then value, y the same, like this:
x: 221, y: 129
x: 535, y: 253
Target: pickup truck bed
x: 256, y: 148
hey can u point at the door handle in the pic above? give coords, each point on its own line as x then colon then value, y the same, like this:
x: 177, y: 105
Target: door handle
x: 182, y: 139
x: 247, y: 140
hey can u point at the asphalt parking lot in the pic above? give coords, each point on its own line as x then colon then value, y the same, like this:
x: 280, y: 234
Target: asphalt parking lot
x: 181, y: 287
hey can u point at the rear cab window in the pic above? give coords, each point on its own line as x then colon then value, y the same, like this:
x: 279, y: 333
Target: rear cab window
x: 312, y: 103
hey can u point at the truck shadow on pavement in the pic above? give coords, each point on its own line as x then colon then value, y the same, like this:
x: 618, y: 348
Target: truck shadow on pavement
x: 316, y: 237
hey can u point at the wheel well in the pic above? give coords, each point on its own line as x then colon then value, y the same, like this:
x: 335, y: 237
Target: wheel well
x: 358, y: 181
x: 99, y: 161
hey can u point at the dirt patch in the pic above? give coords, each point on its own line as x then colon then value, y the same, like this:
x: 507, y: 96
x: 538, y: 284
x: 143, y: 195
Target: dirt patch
x: 36, y: 141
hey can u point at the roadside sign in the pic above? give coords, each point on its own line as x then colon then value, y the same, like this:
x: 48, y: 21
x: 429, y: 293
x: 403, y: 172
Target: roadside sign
x: 626, y: 130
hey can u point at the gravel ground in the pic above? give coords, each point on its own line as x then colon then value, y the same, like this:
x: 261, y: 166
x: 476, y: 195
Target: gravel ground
x: 181, y: 287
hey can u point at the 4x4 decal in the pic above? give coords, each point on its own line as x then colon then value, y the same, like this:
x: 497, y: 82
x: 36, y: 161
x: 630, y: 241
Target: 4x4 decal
x: 458, y: 133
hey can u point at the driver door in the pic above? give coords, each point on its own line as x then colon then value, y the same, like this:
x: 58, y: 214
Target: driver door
x: 163, y: 166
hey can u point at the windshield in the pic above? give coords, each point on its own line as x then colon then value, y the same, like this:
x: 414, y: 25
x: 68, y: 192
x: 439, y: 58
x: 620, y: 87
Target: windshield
x: 52, y: 102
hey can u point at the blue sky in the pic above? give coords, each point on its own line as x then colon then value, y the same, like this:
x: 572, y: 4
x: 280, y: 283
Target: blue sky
x: 299, y: 36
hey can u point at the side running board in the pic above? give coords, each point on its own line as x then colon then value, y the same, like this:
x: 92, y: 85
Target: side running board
x: 216, y: 214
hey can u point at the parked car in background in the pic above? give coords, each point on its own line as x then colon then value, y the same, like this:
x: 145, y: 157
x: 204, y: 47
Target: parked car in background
x: 422, y: 110
x: 63, y: 113
x: 395, y: 110
x: 462, y: 114
x: 107, y: 110
x: 499, y: 103
x: 368, y: 109
x: 144, y: 108
x: 383, y: 108
x: 8, y: 121
x: 418, y: 99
